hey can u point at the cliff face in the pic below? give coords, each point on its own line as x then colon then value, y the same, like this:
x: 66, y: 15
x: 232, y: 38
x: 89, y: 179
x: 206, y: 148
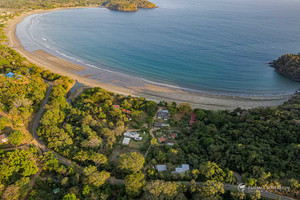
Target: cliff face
x: 288, y: 65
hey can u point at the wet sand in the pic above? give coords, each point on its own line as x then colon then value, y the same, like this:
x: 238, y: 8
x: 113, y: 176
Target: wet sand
x: 125, y: 84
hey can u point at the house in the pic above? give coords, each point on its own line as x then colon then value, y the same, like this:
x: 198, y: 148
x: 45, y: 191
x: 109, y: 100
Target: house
x: 126, y: 141
x: 161, y: 139
x: 116, y: 106
x: 163, y: 114
x: 161, y: 168
x: 193, y: 117
x: 132, y: 134
x: 3, y: 138
x: 159, y: 124
x: 126, y: 111
x: 9, y: 75
x: 127, y: 134
x: 172, y: 135
x: 55, y: 191
x: 182, y: 168
x: 170, y: 142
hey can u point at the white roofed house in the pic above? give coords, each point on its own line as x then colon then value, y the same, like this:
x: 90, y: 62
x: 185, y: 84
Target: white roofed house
x: 127, y: 134
x: 131, y: 134
x: 161, y: 168
x: 182, y: 168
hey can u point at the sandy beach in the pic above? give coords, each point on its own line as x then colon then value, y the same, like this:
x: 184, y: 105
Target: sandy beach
x: 122, y: 84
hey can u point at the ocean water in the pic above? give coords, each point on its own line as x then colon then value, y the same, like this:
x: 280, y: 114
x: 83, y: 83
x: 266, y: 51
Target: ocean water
x: 214, y: 46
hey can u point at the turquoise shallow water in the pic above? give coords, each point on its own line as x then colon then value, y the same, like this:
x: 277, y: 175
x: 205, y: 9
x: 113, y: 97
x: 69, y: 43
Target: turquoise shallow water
x: 220, y: 46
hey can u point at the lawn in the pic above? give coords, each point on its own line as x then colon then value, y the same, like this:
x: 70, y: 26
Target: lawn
x: 141, y: 145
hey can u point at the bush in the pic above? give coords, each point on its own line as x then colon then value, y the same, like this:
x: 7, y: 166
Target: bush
x: 16, y: 137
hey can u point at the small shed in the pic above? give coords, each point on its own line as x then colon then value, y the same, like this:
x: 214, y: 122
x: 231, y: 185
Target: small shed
x: 126, y: 141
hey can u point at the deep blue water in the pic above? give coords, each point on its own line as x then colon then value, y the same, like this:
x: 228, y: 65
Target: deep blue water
x: 207, y: 45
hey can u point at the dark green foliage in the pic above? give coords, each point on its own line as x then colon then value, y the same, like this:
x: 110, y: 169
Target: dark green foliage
x: 288, y: 65
x: 253, y: 142
x: 15, y: 168
x: 91, y: 123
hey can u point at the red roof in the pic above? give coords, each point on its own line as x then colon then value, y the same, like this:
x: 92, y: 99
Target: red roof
x: 193, y: 117
x: 116, y: 106
x: 173, y: 135
x: 161, y: 139
x: 126, y: 111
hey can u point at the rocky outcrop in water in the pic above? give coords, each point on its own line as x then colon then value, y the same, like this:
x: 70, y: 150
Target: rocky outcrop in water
x: 288, y: 65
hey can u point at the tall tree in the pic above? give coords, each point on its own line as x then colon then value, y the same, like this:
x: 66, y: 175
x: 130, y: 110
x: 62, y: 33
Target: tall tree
x: 134, y: 183
x: 131, y: 162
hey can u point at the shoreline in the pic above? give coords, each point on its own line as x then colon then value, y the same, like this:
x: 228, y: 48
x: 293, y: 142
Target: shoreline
x: 114, y: 83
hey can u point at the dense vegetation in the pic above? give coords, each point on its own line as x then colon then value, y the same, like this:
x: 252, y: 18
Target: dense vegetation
x: 260, y: 143
x: 288, y: 65
x: 88, y: 129
x: 120, y: 5
x: 15, y: 169
x: 20, y: 95
x: 125, y: 7
x: 129, y: 5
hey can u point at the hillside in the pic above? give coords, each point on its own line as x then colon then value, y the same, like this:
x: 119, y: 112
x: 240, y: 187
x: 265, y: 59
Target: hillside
x: 129, y: 6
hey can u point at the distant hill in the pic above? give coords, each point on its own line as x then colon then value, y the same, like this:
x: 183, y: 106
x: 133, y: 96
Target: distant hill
x: 129, y: 6
x: 288, y: 65
x: 120, y: 5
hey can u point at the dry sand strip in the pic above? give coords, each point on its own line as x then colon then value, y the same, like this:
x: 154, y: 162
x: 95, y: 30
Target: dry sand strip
x: 135, y: 88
